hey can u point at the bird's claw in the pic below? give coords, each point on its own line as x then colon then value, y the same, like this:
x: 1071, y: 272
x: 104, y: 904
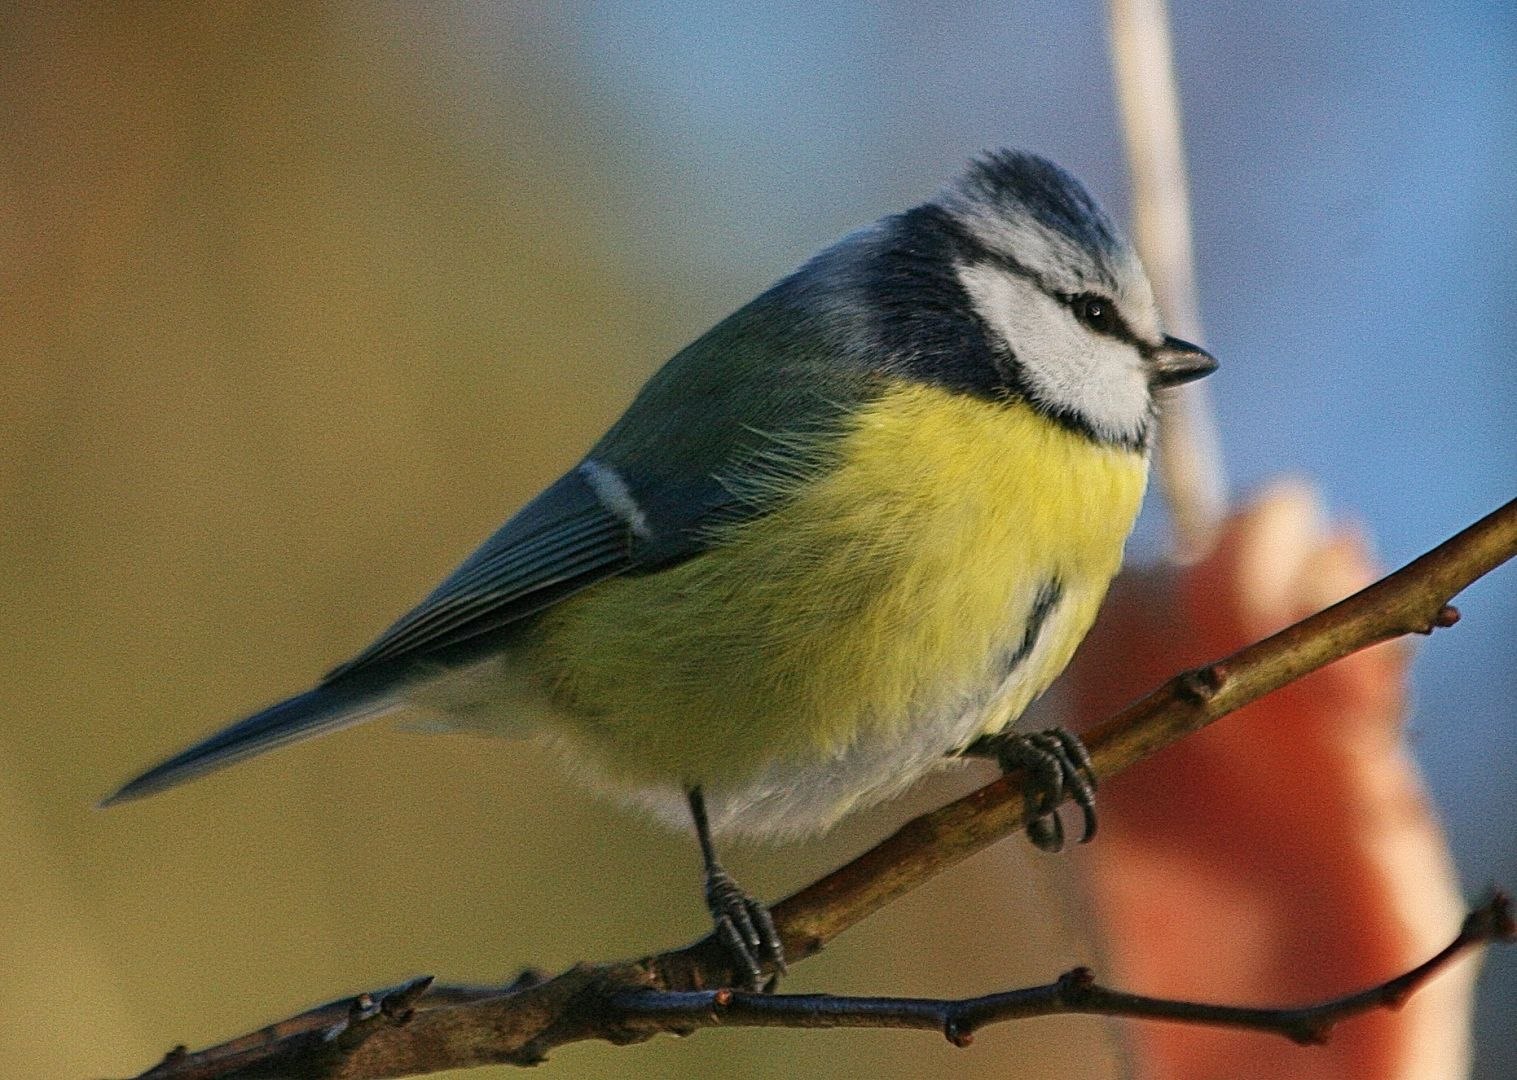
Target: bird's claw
x: 1057, y: 766
x: 745, y: 929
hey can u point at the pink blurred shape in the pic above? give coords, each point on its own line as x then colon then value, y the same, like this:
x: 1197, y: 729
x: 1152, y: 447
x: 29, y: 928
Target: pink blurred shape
x: 1288, y: 853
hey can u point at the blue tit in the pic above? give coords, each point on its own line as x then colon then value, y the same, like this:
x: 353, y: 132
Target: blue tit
x: 846, y: 536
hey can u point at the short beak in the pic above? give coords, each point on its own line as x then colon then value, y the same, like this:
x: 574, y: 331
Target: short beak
x: 1175, y: 362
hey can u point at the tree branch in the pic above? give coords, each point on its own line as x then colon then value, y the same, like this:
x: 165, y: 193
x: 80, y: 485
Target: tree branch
x: 416, y: 1028
x: 1074, y: 992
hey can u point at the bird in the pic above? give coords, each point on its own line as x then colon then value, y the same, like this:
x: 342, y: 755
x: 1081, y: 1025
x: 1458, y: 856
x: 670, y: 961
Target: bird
x: 842, y: 539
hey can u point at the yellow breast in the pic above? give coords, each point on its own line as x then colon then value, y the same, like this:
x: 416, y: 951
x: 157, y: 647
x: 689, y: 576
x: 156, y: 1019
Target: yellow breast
x: 894, y: 585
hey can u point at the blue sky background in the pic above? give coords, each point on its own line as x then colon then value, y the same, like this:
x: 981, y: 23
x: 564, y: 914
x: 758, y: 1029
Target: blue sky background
x: 1352, y: 173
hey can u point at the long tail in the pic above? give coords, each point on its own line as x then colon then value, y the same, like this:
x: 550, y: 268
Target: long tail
x: 316, y: 712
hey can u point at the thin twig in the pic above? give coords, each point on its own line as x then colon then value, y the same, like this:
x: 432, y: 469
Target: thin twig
x: 448, y: 1028
x: 1189, y: 458
x: 1074, y: 992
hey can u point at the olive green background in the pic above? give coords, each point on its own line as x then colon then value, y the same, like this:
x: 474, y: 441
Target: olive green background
x: 298, y: 303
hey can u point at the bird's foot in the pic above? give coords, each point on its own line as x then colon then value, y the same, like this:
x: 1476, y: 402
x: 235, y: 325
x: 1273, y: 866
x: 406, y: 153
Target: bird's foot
x: 1057, y: 766
x: 745, y: 929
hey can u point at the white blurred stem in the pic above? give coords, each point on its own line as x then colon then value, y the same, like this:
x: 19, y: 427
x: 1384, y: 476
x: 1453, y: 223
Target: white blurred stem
x: 1189, y: 457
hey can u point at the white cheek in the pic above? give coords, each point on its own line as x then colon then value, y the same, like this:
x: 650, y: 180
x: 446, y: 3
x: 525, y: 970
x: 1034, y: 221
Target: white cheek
x: 1066, y: 366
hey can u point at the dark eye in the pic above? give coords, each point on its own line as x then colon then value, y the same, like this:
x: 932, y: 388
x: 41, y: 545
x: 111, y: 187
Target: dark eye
x: 1096, y: 312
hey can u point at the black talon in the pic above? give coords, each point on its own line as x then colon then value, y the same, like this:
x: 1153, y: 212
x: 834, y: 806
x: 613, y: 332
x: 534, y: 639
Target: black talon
x: 1081, y: 780
x: 1057, y: 765
x: 743, y: 925
x: 774, y: 948
x: 1046, y: 833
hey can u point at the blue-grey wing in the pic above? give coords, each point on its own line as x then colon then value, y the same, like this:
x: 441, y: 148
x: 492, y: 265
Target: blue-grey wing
x: 678, y: 462
x: 562, y: 541
x: 584, y: 528
x: 574, y: 534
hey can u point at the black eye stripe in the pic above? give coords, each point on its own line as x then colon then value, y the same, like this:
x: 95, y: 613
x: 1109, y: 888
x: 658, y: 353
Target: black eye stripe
x: 1099, y: 314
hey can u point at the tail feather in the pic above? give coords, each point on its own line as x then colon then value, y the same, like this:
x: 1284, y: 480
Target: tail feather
x: 316, y: 712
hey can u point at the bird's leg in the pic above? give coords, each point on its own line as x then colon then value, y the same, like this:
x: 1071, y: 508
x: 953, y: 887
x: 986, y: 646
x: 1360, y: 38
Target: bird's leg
x: 1057, y: 765
x: 743, y: 925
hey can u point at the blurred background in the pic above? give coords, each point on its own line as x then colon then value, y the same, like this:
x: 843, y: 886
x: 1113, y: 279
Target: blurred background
x: 301, y: 300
